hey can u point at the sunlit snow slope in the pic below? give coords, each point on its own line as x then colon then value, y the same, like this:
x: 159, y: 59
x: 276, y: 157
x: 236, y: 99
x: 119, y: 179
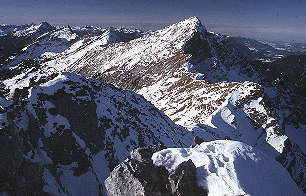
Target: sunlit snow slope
x: 231, y: 168
x: 199, y: 80
x: 195, y: 77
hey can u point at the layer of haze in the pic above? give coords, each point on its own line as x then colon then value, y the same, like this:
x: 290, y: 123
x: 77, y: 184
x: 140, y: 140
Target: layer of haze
x: 275, y: 20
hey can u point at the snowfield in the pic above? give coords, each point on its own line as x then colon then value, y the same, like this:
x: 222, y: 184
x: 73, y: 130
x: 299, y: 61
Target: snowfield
x: 231, y: 168
x: 198, y: 83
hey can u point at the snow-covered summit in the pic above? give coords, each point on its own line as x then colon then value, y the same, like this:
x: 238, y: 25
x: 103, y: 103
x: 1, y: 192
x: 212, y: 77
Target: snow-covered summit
x: 155, y: 46
x: 192, y: 23
x: 180, y: 32
x: 46, y: 26
x: 191, y: 75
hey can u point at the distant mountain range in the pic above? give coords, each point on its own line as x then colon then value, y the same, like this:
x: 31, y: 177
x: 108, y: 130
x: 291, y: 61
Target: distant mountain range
x: 76, y: 101
x: 264, y: 51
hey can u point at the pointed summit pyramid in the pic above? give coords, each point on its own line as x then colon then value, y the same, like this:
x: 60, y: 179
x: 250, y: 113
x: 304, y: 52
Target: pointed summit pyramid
x: 193, y: 23
x: 180, y: 32
x: 45, y: 27
x: 154, y: 47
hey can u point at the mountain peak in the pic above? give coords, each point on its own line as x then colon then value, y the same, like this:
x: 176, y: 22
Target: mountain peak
x: 46, y: 26
x: 193, y: 23
x: 193, y: 19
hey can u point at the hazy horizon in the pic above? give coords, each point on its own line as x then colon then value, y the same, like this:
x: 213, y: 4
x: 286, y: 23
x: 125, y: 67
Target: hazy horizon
x: 262, y: 20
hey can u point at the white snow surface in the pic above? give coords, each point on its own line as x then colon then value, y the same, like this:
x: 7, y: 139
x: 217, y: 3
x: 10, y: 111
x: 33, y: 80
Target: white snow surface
x: 199, y: 103
x: 59, y: 49
x: 231, y: 168
x: 152, y: 47
x: 111, y: 103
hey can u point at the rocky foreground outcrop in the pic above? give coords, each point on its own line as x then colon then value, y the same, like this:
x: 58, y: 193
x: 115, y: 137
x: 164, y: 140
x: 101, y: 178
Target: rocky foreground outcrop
x: 139, y: 176
x: 221, y: 167
x: 64, y: 131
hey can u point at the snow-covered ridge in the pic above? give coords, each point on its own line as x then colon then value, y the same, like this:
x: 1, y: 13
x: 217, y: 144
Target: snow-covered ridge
x: 191, y: 74
x: 193, y: 23
x: 231, y: 168
x: 47, y: 41
x: 43, y: 27
x: 57, y: 49
x: 25, y: 30
x: 8, y: 29
x: 154, y: 47
x: 73, y: 147
x: 195, y: 77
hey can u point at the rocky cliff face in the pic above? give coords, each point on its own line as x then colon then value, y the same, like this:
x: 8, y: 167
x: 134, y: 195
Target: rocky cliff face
x: 138, y: 175
x: 210, y: 168
x: 63, y: 134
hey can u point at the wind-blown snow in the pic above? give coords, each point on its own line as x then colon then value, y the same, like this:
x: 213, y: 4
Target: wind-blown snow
x: 231, y: 168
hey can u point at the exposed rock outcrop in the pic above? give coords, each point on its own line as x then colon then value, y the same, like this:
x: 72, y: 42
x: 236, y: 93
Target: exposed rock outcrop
x: 139, y: 176
x: 196, y: 141
x: 65, y: 129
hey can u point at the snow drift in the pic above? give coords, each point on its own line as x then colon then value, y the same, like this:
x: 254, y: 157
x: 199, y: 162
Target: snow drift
x: 231, y: 168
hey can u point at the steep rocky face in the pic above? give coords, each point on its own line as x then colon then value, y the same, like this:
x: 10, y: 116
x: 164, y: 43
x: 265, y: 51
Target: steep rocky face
x: 210, y: 168
x: 63, y: 134
x: 197, y: 77
x: 138, y: 175
x: 287, y: 75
